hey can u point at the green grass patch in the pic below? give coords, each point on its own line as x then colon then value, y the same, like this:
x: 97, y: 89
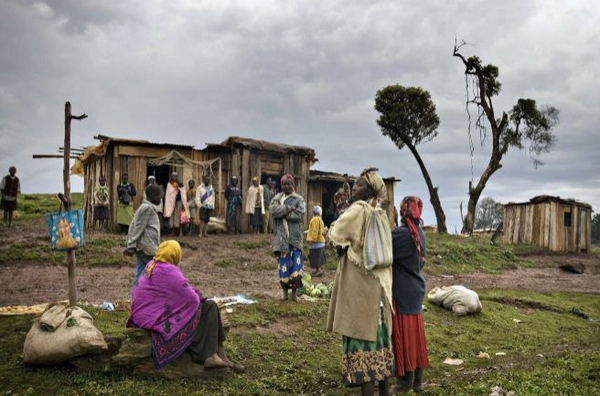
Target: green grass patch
x: 453, y: 254
x: 287, y: 350
x: 225, y: 263
x: 331, y: 262
x: 252, y: 245
x: 32, y: 205
x: 97, y: 251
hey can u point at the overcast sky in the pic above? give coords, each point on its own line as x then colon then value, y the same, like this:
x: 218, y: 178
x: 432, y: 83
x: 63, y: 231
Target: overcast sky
x: 301, y: 72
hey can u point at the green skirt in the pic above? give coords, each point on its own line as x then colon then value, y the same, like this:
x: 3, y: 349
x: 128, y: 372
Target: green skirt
x: 124, y: 213
x: 367, y: 361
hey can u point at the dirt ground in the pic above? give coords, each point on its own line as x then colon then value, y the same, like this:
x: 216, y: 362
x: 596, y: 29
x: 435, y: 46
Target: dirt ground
x: 219, y: 266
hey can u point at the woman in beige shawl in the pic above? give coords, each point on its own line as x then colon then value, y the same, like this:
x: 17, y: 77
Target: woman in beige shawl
x: 360, y: 308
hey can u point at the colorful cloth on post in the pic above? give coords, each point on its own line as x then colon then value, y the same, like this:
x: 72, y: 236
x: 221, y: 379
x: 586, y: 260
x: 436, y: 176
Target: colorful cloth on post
x: 167, y: 305
x: 290, y: 268
x: 367, y: 361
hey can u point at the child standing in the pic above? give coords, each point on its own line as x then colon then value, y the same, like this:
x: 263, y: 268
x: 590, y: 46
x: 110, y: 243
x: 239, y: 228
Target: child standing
x: 316, y: 238
x: 101, y: 202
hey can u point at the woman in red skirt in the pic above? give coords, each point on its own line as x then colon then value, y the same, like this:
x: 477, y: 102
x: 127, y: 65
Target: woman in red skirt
x: 408, y: 289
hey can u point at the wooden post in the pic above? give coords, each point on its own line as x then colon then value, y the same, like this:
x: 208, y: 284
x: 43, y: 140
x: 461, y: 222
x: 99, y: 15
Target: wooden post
x: 67, y: 196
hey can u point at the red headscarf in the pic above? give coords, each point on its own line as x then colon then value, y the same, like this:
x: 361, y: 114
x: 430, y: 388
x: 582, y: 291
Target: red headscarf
x: 410, y: 212
x: 288, y: 177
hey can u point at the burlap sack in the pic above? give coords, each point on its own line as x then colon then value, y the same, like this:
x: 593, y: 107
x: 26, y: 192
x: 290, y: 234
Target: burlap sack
x: 459, y: 299
x: 62, y: 333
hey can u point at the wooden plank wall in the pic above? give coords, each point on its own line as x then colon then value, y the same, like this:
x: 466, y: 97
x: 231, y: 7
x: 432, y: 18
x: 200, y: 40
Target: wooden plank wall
x: 543, y: 224
x: 314, y: 196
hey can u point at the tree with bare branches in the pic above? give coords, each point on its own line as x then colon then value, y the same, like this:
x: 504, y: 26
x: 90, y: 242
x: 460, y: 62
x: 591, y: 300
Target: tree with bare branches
x: 525, y: 125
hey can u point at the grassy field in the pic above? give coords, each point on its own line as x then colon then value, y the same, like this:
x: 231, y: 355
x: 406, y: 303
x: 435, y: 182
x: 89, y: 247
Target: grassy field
x: 287, y: 351
x: 545, y: 349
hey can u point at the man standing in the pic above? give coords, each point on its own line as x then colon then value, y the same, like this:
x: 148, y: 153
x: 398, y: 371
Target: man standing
x: 143, y: 236
x: 205, y: 200
x: 233, y: 195
x: 269, y: 193
x: 191, y: 198
x: 255, y: 206
x: 10, y: 187
x: 101, y: 204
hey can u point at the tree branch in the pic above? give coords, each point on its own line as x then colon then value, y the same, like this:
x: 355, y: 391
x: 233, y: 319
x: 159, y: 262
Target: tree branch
x: 81, y: 117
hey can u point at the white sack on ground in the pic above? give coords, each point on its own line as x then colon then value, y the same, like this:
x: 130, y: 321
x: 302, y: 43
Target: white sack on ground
x: 459, y: 299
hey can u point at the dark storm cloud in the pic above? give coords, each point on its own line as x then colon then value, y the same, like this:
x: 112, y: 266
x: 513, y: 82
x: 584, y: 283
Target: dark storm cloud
x: 300, y: 73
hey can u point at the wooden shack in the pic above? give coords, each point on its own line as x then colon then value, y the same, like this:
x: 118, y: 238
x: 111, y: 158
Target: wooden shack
x: 242, y: 157
x: 322, y: 187
x: 561, y: 225
x: 248, y: 158
x: 139, y: 159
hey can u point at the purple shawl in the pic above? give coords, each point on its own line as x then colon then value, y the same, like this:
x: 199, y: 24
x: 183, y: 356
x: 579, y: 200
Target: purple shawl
x: 167, y: 305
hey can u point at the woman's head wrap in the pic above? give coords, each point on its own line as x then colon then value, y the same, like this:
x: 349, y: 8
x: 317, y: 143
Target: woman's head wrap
x: 168, y: 252
x: 410, y: 213
x: 317, y: 210
x: 288, y: 178
x: 375, y: 182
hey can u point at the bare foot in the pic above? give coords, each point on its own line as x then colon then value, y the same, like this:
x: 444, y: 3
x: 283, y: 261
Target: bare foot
x: 216, y: 362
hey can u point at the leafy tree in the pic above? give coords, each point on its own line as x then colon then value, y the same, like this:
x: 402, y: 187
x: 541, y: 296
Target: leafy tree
x: 596, y: 229
x: 524, y: 125
x: 408, y: 117
x: 489, y: 213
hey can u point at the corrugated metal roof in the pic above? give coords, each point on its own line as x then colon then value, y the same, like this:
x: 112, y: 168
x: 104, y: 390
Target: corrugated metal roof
x: 141, y: 142
x: 551, y: 198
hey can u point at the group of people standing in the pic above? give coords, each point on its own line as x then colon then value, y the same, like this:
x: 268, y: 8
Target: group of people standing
x: 377, y: 311
x: 257, y: 205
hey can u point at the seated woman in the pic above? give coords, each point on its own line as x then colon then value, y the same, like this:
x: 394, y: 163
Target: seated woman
x: 179, y: 318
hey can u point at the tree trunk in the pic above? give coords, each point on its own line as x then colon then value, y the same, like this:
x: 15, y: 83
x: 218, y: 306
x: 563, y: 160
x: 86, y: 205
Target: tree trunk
x: 433, y: 192
x: 475, y: 193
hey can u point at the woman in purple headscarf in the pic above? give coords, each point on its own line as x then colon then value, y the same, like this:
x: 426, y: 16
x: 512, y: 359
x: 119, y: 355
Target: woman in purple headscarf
x: 179, y: 318
x: 287, y: 210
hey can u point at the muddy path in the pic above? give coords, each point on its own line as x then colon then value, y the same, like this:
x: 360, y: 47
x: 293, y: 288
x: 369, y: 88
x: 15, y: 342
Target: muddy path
x: 224, y: 265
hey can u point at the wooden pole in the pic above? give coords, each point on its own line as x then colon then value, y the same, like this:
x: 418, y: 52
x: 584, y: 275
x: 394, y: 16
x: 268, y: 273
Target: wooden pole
x: 67, y: 196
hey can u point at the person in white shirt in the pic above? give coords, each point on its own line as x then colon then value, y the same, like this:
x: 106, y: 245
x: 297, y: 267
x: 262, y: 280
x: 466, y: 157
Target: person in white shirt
x: 205, y: 200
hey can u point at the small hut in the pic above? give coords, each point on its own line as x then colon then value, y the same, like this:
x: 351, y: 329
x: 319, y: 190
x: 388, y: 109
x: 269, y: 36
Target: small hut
x: 561, y: 225
x: 139, y: 159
